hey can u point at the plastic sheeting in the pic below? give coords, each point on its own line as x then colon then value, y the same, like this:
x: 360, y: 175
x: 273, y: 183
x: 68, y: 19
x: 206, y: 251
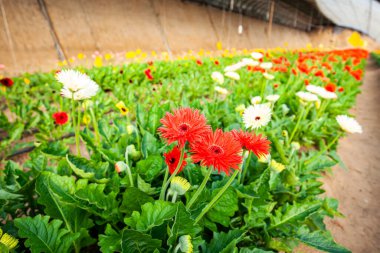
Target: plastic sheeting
x: 361, y: 15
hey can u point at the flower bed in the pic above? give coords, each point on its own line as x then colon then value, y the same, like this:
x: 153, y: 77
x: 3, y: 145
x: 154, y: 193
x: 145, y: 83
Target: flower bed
x: 208, y: 155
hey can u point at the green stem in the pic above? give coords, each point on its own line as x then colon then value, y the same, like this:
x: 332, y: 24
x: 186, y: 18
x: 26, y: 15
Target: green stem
x: 279, y: 148
x: 165, y: 184
x: 324, y: 150
x: 130, y: 175
x: 304, y: 114
x: 77, y: 138
x: 245, y: 168
x: 174, y: 197
x: 200, y: 189
x: 217, y: 197
x: 73, y: 119
x: 263, y: 87
x: 96, y: 127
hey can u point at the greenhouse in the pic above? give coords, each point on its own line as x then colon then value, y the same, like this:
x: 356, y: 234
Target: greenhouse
x: 205, y: 126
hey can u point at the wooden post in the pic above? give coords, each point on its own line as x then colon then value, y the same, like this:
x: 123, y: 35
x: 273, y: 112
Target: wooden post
x: 271, y: 11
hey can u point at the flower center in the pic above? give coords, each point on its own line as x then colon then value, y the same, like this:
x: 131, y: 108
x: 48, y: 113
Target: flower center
x: 257, y: 118
x: 184, y: 128
x: 216, y: 150
x: 172, y: 160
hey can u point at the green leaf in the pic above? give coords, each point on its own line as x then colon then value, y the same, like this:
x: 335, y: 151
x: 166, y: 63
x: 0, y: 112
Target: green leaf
x: 133, y: 199
x: 145, y: 187
x: 183, y: 225
x: 111, y: 241
x: 225, y: 208
x: 54, y: 149
x: 133, y: 241
x: 148, y: 145
x: 5, y: 195
x: 292, y: 213
x: 88, y: 169
x: 43, y: 236
x: 150, y: 167
x: 152, y: 215
x: 255, y: 250
x: 225, y: 242
x: 321, y: 240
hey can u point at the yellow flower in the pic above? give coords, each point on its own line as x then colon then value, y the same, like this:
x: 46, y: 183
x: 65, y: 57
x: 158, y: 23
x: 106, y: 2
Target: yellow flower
x: 9, y: 241
x: 143, y: 55
x: 123, y: 109
x: 240, y: 109
x: 264, y: 158
x: 201, y: 52
x: 138, y: 51
x: 153, y: 53
x: 108, y: 56
x: 130, y: 55
x: 356, y: 40
x: 26, y: 81
x: 179, y: 185
x: 86, y: 119
x: 98, y: 61
x: 219, y: 45
x: 72, y: 60
x: 277, y: 166
x: 80, y: 56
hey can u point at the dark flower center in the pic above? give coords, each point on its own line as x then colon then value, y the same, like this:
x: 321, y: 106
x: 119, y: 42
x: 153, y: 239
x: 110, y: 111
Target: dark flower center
x: 172, y: 160
x: 257, y: 118
x: 123, y: 109
x: 184, y: 127
x: 216, y: 150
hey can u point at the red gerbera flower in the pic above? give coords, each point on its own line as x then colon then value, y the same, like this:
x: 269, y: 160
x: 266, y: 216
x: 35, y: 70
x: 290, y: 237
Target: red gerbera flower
x: 183, y: 125
x: 330, y: 87
x: 60, y: 118
x: 216, y: 62
x: 172, y: 159
x: 219, y: 150
x: 307, y: 82
x: 319, y: 73
x: 199, y: 62
x: 257, y: 144
x: 341, y: 89
x: 148, y: 74
x: 6, y: 82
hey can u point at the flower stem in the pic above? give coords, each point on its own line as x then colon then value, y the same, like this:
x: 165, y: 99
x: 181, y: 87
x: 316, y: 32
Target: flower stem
x: 130, y: 175
x: 304, y: 114
x: 263, y: 87
x: 245, y: 168
x: 324, y: 150
x: 78, y: 130
x: 165, y: 184
x: 174, y: 197
x: 96, y: 127
x: 200, y: 189
x: 73, y: 119
x: 217, y: 197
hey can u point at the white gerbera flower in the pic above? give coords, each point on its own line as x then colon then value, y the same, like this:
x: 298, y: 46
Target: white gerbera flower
x: 221, y: 90
x: 266, y: 65
x: 320, y: 91
x: 185, y: 244
x: 250, y: 62
x: 307, y: 96
x: 217, y: 77
x: 348, y: 124
x: 268, y: 76
x: 179, y: 185
x: 234, y: 67
x: 76, y: 85
x: 257, y: 55
x: 256, y: 100
x: 257, y: 116
x: 232, y: 75
x: 272, y: 98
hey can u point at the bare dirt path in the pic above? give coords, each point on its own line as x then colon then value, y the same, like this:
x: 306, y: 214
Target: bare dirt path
x: 358, y: 188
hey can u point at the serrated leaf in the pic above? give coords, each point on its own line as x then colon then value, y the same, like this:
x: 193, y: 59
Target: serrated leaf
x: 183, y: 225
x: 321, y: 240
x: 225, y: 242
x: 133, y: 241
x: 148, y: 145
x: 292, y: 213
x: 43, y: 236
x: 225, y: 208
x: 152, y: 215
x: 150, y: 167
x: 133, y: 199
x: 111, y: 241
x: 88, y: 169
